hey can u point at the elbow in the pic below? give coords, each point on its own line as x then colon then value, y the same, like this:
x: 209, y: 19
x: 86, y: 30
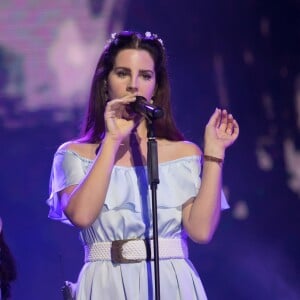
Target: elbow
x: 81, y: 224
x: 202, y: 236
x: 202, y: 233
x: 79, y: 220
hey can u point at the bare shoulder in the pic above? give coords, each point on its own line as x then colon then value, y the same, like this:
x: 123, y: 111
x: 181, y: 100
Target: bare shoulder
x: 83, y: 149
x: 187, y: 148
x: 71, y: 145
x: 170, y: 150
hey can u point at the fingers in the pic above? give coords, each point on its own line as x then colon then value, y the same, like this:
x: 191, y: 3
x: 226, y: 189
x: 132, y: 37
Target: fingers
x: 115, y: 108
x: 215, y: 118
x: 224, y: 121
x: 120, y: 101
x: 117, y: 122
x: 219, y: 118
x: 235, y: 129
x: 228, y: 124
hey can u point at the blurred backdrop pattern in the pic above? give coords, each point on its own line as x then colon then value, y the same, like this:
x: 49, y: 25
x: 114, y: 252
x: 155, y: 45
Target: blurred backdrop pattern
x: 240, y: 55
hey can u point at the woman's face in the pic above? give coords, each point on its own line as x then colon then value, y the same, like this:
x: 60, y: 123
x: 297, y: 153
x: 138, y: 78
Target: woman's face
x: 133, y: 73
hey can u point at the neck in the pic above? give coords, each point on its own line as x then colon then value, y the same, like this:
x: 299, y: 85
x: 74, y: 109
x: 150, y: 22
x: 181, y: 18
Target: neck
x: 139, y: 133
x: 136, y: 137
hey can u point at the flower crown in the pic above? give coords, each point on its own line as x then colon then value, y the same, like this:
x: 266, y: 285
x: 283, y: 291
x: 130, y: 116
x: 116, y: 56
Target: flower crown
x: 148, y: 35
x: 153, y: 36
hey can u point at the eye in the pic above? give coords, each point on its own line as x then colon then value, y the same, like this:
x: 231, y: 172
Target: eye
x: 121, y: 73
x: 147, y: 76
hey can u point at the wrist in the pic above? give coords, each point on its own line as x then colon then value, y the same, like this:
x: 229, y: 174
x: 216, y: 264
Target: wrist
x: 111, y: 142
x: 214, y: 151
x: 213, y: 159
x: 112, y: 138
x: 213, y: 155
x: 218, y: 154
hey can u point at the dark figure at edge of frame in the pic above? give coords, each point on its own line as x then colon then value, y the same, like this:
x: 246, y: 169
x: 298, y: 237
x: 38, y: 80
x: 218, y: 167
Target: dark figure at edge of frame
x: 8, y: 272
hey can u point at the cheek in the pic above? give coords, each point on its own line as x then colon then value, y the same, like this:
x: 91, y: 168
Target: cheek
x: 115, y: 90
x: 150, y: 91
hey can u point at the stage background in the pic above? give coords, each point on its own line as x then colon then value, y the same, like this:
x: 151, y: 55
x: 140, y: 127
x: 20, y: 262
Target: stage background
x: 239, y: 55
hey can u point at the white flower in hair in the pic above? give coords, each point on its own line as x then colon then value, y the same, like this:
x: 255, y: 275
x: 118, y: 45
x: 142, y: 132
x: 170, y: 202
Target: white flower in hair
x: 110, y: 40
x: 149, y: 35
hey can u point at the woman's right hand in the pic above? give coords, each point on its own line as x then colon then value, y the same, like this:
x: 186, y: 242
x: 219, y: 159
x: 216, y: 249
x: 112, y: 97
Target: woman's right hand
x: 119, y: 123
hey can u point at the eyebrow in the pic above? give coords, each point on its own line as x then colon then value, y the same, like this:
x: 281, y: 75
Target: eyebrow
x: 127, y: 69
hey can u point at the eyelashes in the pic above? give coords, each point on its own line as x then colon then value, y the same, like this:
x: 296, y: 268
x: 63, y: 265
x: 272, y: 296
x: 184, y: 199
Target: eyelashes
x: 144, y: 75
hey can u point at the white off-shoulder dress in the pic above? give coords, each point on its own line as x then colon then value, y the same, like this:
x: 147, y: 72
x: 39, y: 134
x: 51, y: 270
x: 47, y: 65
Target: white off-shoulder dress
x: 127, y: 215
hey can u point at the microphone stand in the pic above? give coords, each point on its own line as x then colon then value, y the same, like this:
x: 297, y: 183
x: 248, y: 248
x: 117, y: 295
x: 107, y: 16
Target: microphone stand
x: 153, y: 179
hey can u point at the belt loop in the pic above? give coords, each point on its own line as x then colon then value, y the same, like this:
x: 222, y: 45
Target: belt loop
x: 148, y: 249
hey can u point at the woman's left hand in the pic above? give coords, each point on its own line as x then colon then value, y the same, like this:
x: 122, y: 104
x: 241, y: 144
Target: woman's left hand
x: 221, y: 131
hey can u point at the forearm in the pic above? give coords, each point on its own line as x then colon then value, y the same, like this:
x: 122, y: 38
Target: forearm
x: 86, y: 201
x: 201, y: 217
x: 204, y: 213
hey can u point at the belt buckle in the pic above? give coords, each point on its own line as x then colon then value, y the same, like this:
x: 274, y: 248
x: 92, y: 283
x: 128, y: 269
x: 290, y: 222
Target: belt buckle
x: 117, y: 252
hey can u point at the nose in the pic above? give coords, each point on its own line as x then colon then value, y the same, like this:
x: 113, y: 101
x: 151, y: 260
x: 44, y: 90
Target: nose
x: 132, y: 86
x: 131, y: 89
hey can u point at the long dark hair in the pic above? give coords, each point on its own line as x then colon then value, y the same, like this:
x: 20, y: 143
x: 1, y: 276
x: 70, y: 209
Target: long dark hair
x: 93, y: 129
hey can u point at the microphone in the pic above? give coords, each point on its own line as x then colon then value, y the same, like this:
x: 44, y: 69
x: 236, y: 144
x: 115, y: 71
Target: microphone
x: 148, y: 110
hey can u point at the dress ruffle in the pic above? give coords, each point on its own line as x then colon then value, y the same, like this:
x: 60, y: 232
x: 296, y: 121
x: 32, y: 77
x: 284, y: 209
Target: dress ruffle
x: 179, y: 182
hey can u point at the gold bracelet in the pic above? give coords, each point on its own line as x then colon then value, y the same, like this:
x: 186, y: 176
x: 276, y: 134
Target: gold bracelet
x: 213, y: 158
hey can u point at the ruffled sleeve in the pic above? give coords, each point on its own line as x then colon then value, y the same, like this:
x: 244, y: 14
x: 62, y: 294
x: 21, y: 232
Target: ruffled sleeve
x: 224, y: 203
x: 67, y: 169
x: 181, y: 181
